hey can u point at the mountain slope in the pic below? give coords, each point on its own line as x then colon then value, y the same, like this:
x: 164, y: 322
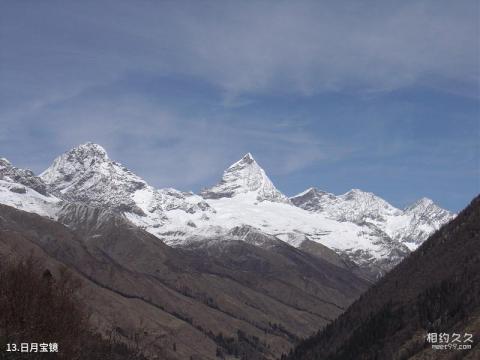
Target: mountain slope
x: 436, y: 289
x: 229, y: 295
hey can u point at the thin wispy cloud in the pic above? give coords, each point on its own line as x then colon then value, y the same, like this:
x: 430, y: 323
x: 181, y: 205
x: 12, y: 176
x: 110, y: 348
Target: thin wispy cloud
x: 242, y: 47
x: 168, y: 148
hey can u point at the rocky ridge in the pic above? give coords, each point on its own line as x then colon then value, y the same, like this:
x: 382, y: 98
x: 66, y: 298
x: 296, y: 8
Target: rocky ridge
x: 410, y: 226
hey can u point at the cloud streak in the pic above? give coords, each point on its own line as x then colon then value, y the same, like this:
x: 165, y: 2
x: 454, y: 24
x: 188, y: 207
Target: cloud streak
x: 245, y: 47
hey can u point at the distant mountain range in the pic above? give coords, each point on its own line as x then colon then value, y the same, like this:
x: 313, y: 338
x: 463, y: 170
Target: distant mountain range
x: 359, y: 226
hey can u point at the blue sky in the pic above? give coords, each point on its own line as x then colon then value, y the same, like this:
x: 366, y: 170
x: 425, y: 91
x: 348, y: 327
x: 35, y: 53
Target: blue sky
x: 378, y: 95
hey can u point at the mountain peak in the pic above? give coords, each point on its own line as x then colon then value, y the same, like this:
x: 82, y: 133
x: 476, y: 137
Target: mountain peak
x: 356, y: 193
x: 312, y: 193
x: 309, y: 191
x: 424, y: 212
x: 313, y: 199
x: 4, y: 162
x: 355, y: 205
x: 78, y: 159
x: 89, y: 150
x: 86, y: 173
x: 246, y: 160
x: 91, y: 145
x: 362, y: 197
x: 422, y: 205
x: 245, y: 176
x: 424, y: 201
x: 367, y: 202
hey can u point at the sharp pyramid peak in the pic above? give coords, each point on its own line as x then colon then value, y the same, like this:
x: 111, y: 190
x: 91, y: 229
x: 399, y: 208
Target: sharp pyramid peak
x: 246, y: 159
x: 245, y: 176
x: 245, y: 168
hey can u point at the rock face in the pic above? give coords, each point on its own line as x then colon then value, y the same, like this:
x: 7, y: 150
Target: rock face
x: 435, y: 290
x: 23, y: 190
x: 360, y: 227
x: 22, y: 177
x: 313, y: 199
x: 245, y: 176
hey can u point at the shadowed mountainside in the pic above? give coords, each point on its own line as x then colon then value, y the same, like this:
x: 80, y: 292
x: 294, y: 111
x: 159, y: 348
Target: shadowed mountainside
x: 434, y: 290
x: 32, y: 298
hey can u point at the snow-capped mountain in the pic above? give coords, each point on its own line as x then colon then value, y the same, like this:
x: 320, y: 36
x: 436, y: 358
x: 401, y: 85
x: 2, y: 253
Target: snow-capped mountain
x: 25, y: 177
x: 245, y: 176
x: 313, y: 199
x: 357, y: 225
x: 86, y: 174
x: 424, y: 215
x: 410, y: 226
x: 354, y: 206
x: 21, y: 189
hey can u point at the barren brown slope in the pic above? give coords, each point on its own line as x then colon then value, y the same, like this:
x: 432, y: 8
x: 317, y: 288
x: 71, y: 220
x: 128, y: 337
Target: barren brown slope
x: 436, y: 289
x: 219, y: 298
